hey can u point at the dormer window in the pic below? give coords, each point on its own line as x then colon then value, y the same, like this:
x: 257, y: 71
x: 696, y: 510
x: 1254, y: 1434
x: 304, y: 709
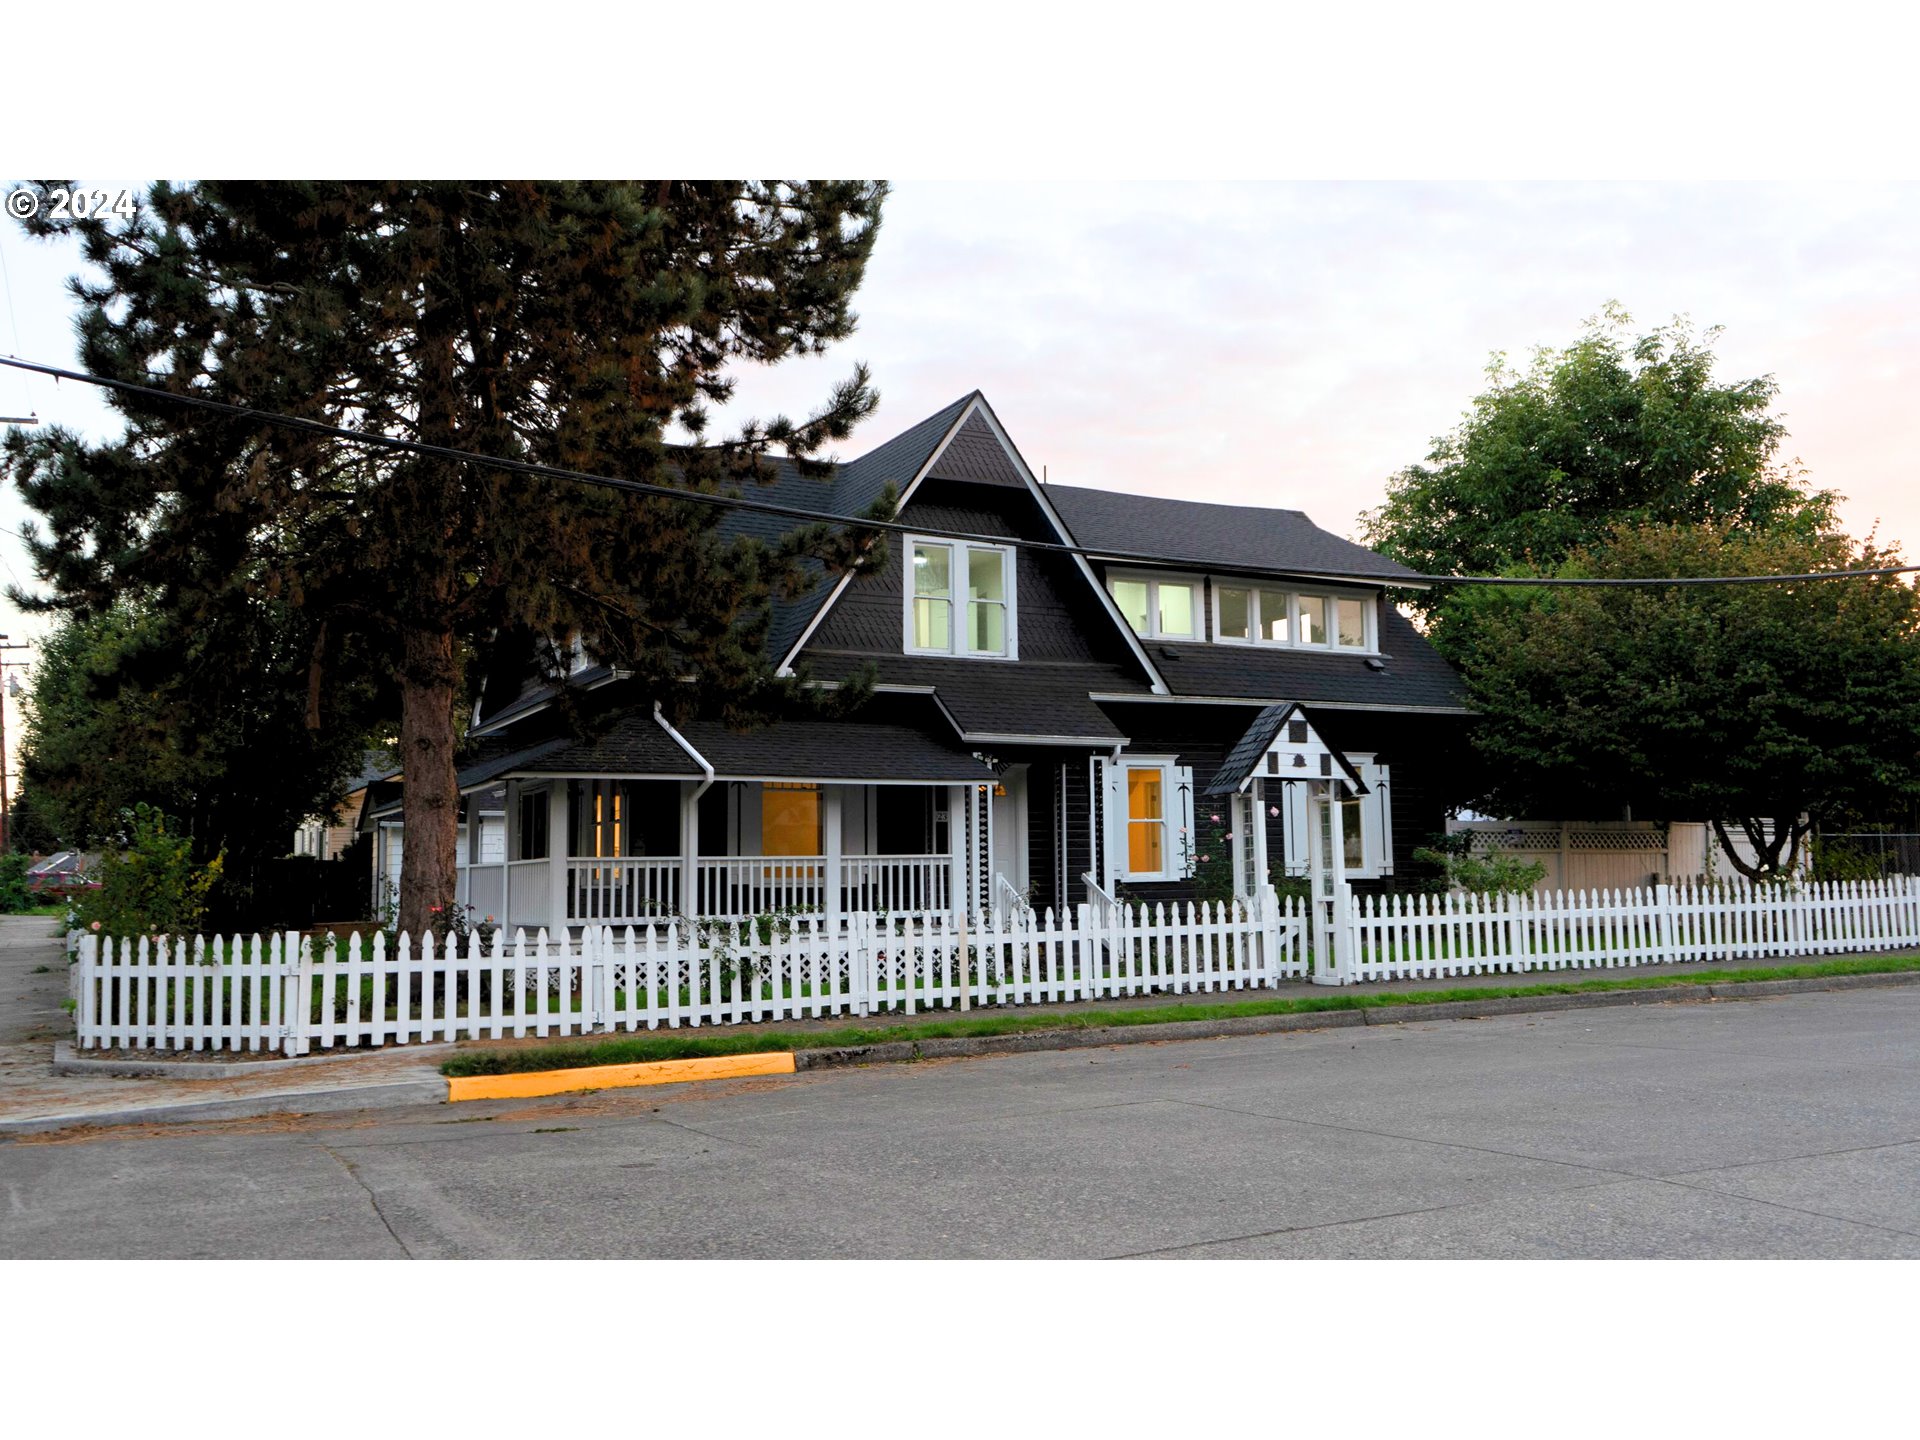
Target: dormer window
x: 959, y: 599
x: 1159, y: 607
x: 1249, y: 614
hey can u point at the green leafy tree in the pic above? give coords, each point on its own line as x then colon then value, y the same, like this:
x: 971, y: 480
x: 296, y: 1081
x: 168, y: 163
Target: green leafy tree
x: 207, y: 724
x: 1613, y: 430
x: 15, y: 895
x: 563, y: 323
x: 1761, y: 708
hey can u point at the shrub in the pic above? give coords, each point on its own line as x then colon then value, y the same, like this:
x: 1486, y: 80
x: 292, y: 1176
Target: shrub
x: 1208, y: 857
x: 1481, y: 871
x: 153, y: 884
x: 1844, y: 859
x: 15, y: 895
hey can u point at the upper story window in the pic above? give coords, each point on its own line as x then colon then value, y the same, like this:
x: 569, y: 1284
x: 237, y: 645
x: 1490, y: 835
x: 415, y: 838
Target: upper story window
x: 1159, y: 607
x: 959, y: 599
x: 1246, y: 613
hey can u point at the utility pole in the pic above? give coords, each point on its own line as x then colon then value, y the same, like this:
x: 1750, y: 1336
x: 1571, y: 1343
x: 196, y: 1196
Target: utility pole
x: 6, y: 781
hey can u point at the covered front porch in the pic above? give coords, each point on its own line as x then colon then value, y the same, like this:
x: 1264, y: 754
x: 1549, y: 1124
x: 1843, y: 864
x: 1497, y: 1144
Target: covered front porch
x: 612, y: 850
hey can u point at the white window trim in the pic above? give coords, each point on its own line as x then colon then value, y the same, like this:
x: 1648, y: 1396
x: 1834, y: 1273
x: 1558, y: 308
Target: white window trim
x: 1376, y: 823
x: 957, y: 601
x: 1369, y: 610
x: 1176, y: 791
x: 1152, y: 580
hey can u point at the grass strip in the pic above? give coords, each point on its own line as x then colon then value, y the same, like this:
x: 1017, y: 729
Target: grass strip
x: 682, y: 1045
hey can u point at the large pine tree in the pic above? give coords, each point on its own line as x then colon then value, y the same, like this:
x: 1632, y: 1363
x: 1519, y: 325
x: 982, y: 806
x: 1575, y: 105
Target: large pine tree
x: 566, y: 323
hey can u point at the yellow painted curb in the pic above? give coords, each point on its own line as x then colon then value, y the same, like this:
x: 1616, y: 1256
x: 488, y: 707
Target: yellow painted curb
x: 616, y: 1077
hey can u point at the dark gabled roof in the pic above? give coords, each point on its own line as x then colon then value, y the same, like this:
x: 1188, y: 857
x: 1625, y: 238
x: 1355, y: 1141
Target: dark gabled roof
x: 1247, y: 752
x: 1190, y: 532
x: 901, y: 738
x: 792, y: 749
x: 539, y: 692
x: 1412, y: 676
x: 852, y: 489
x: 835, y: 750
x: 510, y: 753
x: 977, y: 455
x: 1001, y: 698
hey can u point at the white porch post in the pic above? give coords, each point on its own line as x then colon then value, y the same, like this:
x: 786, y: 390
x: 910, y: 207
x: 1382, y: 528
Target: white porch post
x: 559, y: 841
x: 957, y: 840
x: 1338, y: 895
x: 511, y: 852
x: 1324, y: 970
x: 830, y: 801
x: 1238, y: 842
x: 1259, y: 836
x: 689, y: 848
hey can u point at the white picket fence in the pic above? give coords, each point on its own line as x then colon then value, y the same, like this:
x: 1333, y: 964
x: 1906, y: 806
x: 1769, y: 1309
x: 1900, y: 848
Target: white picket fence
x: 1398, y: 937
x: 285, y: 992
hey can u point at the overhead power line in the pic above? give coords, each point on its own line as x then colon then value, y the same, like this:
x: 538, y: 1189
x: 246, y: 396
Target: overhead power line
x: 377, y: 440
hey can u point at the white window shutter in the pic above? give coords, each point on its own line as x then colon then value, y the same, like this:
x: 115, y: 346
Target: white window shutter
x: 1107, y: 822
x: 1293, y: 812
x: 1383, y: 817
x: 1185, y: 841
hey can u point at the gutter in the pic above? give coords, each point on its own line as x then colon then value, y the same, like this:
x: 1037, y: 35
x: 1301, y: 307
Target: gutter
x: 692, y: 754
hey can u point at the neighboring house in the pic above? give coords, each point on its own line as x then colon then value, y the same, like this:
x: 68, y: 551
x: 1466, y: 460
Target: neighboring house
x: 326, y: 837
x: 1045, y: 724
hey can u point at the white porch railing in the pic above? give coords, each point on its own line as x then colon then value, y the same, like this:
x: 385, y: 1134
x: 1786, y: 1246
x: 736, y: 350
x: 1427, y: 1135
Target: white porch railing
x: 737, y: 887
x: 740, y: 885
x: 891, y: 884
x: 628, y: 887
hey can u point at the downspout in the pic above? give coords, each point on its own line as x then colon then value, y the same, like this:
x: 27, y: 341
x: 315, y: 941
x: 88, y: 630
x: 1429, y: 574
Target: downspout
x: 692, y: 754
x: 689, y: 819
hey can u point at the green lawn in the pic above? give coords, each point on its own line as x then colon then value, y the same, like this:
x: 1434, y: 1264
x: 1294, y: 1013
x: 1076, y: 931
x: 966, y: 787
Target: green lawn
x: 631, y: 1049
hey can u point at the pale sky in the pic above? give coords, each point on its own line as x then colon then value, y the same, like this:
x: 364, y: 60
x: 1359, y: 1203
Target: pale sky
x: 1293, y: 344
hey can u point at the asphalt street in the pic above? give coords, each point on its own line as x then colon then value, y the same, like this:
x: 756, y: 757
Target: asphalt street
x: 1783, y: 1127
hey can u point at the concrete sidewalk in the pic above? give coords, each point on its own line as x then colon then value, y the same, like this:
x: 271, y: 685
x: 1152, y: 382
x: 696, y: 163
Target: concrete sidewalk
x: 32, y: 1019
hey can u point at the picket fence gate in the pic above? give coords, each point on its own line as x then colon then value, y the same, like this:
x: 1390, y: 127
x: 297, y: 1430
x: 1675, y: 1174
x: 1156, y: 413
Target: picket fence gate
x: 289, y: 993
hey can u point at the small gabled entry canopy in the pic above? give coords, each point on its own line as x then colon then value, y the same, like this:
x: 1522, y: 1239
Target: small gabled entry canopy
x: 1282, y: 744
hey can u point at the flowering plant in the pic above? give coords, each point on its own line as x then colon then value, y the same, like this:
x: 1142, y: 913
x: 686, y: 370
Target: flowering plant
x: 1209, y: 857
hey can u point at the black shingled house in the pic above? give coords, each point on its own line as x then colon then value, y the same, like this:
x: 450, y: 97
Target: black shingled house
x: 1045, y: 725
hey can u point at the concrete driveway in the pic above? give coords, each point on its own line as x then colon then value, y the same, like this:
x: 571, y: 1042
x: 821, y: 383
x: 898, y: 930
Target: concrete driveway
x: 1784, y: 1127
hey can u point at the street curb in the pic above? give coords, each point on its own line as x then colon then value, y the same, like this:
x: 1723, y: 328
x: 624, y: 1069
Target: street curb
x: 959, y: 1047
x: 1036, y: 1040
x: 1759, y: 989
x: 527, y: 1084
x: 434, y: 1090
x: 68, y: 1061
x: 295, y: 1102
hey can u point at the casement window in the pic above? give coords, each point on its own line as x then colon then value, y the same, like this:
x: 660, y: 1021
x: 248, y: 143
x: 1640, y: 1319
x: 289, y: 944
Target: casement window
x: 1366, y: 822
x: 960, y: 599
x: 1148, y: 813
x: 1159, y: 607
x: 1249, y: 614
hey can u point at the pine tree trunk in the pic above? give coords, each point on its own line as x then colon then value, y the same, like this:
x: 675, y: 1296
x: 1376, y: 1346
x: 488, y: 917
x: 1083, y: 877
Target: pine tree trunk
x: 430, y: 795
x: 429, y: 677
